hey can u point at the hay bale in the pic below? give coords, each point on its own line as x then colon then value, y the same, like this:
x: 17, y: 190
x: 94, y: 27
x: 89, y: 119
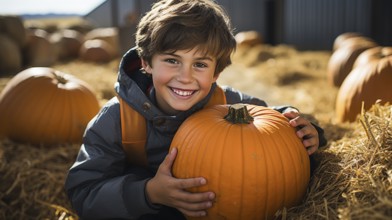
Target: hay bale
x: 109, y: 35
x: 96, y: 51
x: 10, y: 55
x: 13, y: 26
x: 353, y: 178
x: 39, y: 50
x: 67, y: 43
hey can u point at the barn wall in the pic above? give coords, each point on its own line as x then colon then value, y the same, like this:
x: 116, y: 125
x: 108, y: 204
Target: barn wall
x: 306, y: 24
x: 381, y: 27
x: 314, y: 24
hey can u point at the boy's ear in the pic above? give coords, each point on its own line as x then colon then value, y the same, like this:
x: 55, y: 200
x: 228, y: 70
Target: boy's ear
x: 146, y: 66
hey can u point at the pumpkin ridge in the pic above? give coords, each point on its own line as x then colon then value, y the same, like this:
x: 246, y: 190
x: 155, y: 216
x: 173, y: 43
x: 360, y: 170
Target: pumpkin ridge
x: 280, y: 200
x: 251, y: 155
x: 242, y: 168
x: 61, y: 128
x: 292, y: 180
x: 73, y: 104
x: 38, y: 108
x: 226, y: 130
x: 13, y: 95
x: 265, y: 170
x: 49, y: 129
x: 199, y: 156
x: 300, y: 166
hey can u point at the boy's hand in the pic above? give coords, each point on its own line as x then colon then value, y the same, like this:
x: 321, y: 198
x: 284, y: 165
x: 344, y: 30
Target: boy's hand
x: 167, y: 190
x: 305, y: 130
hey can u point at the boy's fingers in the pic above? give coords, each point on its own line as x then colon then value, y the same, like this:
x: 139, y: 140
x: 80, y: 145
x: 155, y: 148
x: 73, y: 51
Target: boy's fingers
x: 311, y: 150
x: 169, y: 160
x: 193, y: 213
x: 291, y: 115
x: 192, y: 182
x: 196, y: 200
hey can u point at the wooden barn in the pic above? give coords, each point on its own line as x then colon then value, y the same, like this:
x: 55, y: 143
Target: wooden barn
x: 306, y: 24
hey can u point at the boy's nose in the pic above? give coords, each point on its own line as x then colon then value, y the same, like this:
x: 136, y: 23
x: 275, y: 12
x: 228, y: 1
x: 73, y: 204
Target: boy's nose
x: 185, y: 75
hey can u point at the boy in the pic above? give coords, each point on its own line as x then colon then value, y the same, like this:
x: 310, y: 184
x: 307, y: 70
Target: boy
x: 181, y: 47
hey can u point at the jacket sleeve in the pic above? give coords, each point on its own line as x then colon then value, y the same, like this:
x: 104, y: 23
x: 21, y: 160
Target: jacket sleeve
x: 235, y: 96
x: 99, y: 185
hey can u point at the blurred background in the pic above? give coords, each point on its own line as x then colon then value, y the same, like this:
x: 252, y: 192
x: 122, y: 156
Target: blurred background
x: 306, y: 24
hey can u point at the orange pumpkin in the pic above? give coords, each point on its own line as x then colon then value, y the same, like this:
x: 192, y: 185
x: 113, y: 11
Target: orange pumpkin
x: 45, y: 106
x: 374, y: 54
x: 343, y: 38
x: 96, y: 51
x: 248, y: 38
x: 342, y: 60
x: 366, y: 83
x: 250, y: 156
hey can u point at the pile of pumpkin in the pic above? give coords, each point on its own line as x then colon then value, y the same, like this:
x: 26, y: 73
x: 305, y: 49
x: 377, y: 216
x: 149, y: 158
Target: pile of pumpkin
x: 361, y: 69
x: 35, y: 46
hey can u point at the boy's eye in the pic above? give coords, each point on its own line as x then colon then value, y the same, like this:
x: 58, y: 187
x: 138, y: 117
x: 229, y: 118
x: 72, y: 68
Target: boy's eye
x: 200, y: 65
x: 172, y: 61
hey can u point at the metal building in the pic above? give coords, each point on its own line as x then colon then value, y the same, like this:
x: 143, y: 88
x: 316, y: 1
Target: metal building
x: 305, y: 24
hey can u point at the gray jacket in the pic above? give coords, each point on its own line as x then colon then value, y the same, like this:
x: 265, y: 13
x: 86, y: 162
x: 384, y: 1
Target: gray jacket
x: 101, y: 184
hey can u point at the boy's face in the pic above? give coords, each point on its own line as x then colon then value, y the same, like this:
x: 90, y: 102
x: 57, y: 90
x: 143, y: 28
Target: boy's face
x: 181, y: 79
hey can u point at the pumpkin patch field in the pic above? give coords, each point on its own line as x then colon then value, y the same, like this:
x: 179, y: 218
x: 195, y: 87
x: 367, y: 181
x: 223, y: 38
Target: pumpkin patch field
x: 351, y: 177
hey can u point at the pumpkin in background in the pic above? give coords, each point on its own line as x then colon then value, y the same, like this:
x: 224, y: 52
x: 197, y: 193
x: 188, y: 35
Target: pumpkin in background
x: 342, y: 60
x: 343, y: 38
x: 250, y: 156
x: 96, y: 51
x: 39, y: 51
x: 248, y: 38
x: 372, y: 55
x: 67, y: 43
x: 10, y: 56
x: 366, y: 83
x: 45, y: 106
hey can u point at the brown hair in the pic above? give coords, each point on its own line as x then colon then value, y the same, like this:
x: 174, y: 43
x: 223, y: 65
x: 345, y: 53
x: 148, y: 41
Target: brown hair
x: 183, y: 24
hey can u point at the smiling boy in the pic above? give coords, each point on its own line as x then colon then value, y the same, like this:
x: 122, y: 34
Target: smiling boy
x: 181, y: 48
x: 181, y: 79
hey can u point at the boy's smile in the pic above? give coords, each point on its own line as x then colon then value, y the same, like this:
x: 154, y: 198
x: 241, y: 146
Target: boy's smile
x: 183, y: 93
x: 181, y: 78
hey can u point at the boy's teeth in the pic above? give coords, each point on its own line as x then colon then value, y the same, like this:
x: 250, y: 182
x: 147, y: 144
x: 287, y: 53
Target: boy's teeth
x: 182, y: 92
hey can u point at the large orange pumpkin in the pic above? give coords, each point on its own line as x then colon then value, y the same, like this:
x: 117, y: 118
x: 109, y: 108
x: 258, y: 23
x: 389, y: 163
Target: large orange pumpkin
x: 366, y: 83
x: 45, y: 106
x: 255, y: 166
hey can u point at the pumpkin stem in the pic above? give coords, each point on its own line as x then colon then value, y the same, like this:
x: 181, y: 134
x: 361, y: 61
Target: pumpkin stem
x: 238, y: 114
x: 60, y: 78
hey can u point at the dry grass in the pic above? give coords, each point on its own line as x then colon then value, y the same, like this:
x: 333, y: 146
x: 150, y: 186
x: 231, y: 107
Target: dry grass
x: 352, y: 177
x: 32, y: 180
